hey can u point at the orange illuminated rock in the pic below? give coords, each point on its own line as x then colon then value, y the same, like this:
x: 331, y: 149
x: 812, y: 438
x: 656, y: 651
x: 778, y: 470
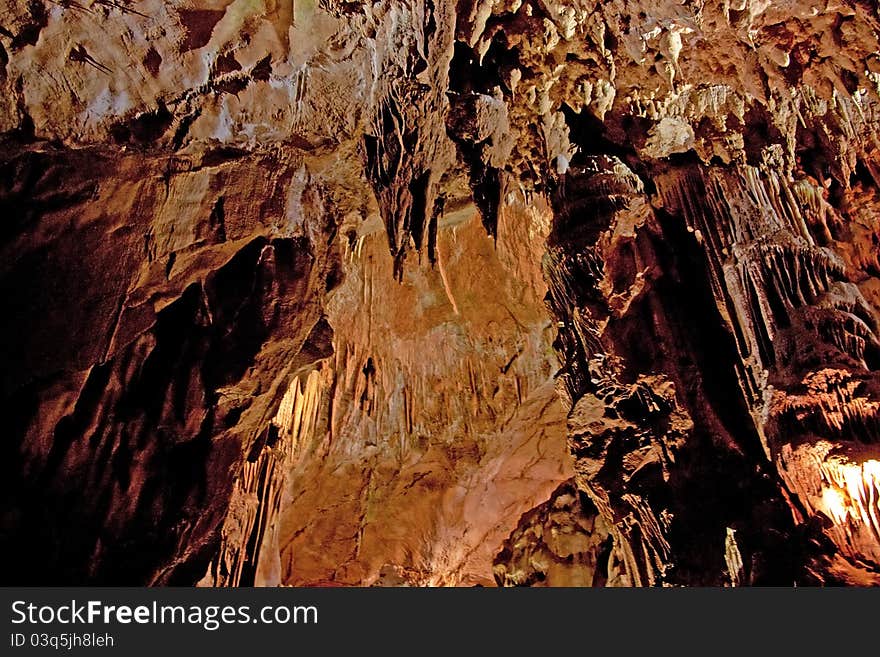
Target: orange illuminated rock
x: 435, y: 293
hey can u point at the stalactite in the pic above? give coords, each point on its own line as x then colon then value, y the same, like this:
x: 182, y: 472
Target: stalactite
x: 257, y: 495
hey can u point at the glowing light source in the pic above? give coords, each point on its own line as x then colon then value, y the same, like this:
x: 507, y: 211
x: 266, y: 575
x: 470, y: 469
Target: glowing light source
x: 853, y: 492
x: 835, y: 504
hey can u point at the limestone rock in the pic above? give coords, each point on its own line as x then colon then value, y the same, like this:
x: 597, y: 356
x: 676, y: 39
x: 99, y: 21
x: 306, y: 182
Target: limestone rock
x: 407, y: 292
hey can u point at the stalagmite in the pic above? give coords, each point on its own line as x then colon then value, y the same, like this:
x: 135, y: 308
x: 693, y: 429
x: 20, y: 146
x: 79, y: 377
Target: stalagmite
x: 521, y: 292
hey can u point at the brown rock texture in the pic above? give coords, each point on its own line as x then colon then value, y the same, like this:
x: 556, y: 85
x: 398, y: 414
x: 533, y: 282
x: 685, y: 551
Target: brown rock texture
x: 416, y: 292
x: 562, y: 542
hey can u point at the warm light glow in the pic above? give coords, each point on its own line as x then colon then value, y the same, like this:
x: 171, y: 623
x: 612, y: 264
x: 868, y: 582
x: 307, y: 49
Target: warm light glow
x: 835, y: 504
x: 853, y: 492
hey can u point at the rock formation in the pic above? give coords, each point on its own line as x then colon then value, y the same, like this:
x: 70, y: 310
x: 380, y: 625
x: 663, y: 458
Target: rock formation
x: 423, y: 292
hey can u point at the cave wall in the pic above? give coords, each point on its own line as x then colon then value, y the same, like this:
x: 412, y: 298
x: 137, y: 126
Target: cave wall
x: 140, y: 359
x: 443, y: 421
x: 284, y: 282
